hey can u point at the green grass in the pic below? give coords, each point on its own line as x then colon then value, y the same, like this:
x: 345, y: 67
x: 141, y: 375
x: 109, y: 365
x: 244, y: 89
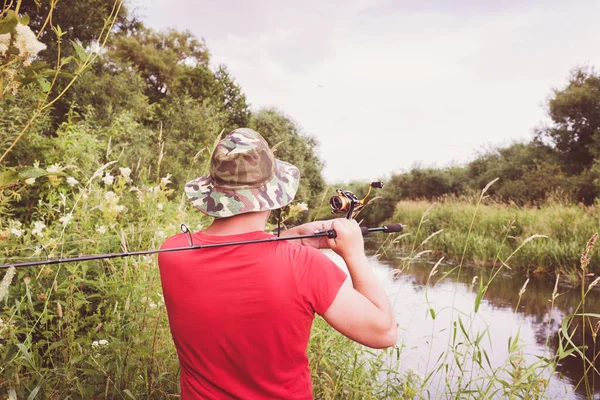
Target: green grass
x: 99, y: 329
x: 566, y: 227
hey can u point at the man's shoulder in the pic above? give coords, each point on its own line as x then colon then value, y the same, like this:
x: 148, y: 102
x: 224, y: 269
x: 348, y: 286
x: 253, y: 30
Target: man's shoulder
x: 173, y: 241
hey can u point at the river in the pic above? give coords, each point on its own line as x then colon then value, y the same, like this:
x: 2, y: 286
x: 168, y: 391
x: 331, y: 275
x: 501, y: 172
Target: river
x: 536, y: 322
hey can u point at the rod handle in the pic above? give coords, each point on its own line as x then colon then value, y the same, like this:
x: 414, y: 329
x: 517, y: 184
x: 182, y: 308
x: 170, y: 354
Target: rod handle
x: 391, y: 228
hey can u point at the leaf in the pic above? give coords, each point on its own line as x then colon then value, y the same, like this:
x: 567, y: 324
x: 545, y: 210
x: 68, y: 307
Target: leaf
x: 26, y: 354
x: 8, y: 23
x: 33, y: 172
x: 8, y: 177
x: 34, y: 393
x: 432, y: 313
x: 44, y: 84
x: 128, y: 393
x: 24, y: 20
x: 59, y: 32
x: 79, y: 50
x: 479, y: 297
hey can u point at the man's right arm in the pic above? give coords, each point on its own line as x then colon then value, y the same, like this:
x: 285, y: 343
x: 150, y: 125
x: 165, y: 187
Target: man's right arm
x: 360, y: 311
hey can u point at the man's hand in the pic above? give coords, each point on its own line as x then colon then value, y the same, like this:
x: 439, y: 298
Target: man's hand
x: 349, y: 242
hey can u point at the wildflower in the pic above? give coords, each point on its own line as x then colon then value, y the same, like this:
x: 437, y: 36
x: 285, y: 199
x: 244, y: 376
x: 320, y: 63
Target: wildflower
x: 161, y: 234
x: 6, y: 281
x: 101, y: 342
x: 65, y: 219
x: 108, y: 179
x: 72, y: 181
x: 125, y: 172
x: 17, y: 232
x: 302, y: 206
x: 54, y: 168
x: 4, y: 43
x: 27, y: 43
x: 30, y: 181
x: 101, y: 229
x: 94, y: 47
x: 585, y: 260
x: 110, y: 196
x: 38, y: 226
x: 166, y: 180
x: 159, y: 206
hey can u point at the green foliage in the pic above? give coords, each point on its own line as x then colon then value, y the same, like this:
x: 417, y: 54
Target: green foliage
x: 161, y: 58
x: 291, y: 145
x: 82, y: 20
x: 575, y: 113
x: 565, y: 225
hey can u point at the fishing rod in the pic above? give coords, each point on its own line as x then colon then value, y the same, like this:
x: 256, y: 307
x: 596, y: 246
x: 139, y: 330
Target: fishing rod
x: 329, y: 233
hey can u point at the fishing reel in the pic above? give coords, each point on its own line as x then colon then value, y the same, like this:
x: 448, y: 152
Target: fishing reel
x: 346, y: 202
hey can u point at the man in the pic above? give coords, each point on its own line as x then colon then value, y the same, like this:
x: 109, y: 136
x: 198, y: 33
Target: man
x: 241, y: 315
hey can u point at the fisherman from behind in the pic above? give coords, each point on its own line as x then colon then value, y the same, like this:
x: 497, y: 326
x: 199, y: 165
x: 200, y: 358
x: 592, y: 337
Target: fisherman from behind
x: 241, y: 315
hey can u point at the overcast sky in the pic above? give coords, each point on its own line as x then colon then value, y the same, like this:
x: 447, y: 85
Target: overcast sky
x: 385, y: 85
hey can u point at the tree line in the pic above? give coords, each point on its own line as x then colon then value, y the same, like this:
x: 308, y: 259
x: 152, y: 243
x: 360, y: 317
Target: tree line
x: 561, y: 161
x: 151, y: 101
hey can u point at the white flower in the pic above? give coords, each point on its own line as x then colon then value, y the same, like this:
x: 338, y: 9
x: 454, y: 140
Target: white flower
x: 94, y: 47
x: 72, y: 181
x: 118, y: 208
x: 16, y: 232
x: 38, y: 226
x: 27, y: 43
x: 161, y: 234
x: 101, y: 342
x: 110, y: 196
x: 126, y: 172
x: 159, y: 206
x: 30, y: 181
x: 101, y: 229
x: 108, y: 179
x: 54, y: 168
x: 166, y: 180
x: 66, y: 219
x: 6, y: 281
x: 4, y: 43
x: 302, y: 206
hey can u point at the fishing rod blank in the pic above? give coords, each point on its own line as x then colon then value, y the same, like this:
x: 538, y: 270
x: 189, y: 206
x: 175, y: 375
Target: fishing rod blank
x: 330, y: 233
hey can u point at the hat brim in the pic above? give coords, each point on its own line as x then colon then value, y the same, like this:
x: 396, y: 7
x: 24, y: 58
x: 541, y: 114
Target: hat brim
x: 217, y: 202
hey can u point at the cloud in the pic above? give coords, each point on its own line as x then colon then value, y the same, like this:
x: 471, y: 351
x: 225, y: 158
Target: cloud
x: 386, y: 84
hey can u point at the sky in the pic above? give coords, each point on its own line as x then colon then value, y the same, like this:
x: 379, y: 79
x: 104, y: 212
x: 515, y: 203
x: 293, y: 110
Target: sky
x: 386, y: 85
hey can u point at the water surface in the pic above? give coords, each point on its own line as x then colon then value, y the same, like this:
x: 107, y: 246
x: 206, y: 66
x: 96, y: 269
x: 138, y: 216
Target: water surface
x: 536, y: 322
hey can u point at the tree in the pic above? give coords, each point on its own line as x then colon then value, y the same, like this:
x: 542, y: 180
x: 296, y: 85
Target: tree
x: 292, y: 146
x: 575, y: 113
x: 162, y: 57
x: 81, y: 20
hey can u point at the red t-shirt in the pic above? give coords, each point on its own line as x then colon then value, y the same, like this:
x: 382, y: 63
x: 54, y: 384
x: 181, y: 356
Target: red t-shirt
x: 241, y: 315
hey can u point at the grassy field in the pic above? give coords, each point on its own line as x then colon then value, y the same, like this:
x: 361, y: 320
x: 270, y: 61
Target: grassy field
x: 99, y: 329
x: 549, y: 238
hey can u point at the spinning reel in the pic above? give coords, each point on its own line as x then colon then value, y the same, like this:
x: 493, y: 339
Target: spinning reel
x: 346, y: 202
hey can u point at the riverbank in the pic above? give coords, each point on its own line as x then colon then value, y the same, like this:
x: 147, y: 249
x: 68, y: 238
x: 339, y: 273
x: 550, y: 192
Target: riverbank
x: 541, y: 240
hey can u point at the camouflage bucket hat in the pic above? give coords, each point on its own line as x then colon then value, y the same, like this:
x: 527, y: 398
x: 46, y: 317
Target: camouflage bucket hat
x: 244, y: 176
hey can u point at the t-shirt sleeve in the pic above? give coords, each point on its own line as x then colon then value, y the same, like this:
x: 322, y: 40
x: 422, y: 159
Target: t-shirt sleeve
x: 318, y: 279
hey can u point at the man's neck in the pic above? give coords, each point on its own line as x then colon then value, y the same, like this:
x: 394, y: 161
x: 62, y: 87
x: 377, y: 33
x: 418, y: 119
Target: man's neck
x: 237, y: 224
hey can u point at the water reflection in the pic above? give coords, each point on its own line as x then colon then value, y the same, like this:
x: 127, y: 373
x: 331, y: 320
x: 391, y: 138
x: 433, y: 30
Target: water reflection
x: 535, y: 321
